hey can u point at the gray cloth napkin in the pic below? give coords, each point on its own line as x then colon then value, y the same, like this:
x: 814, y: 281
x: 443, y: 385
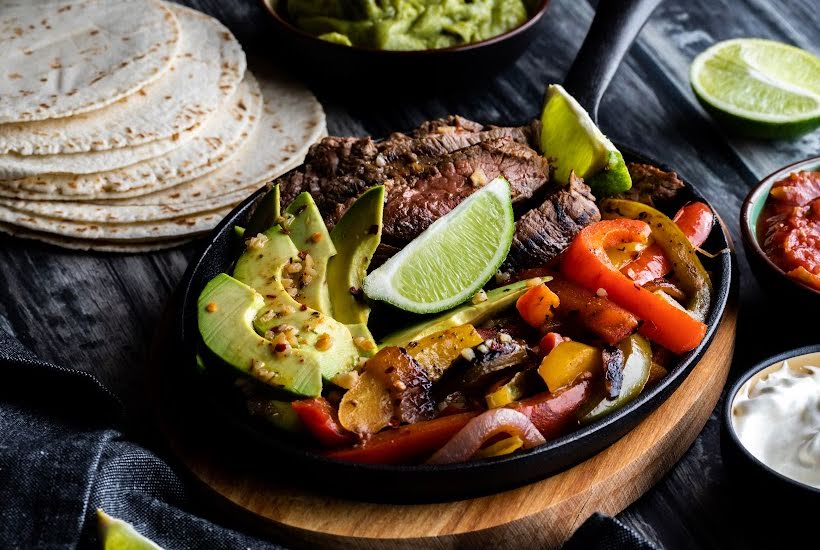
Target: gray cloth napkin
x: 64, y: 453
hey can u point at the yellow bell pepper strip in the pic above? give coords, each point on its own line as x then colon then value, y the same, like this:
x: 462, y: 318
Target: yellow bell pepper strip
x: 536, y: 305
x: 566, y: 362
x: 676, y: 247
x: 499, y: 448
x: 585, y: 262
x: 436, y: 352
x: 503, y: 392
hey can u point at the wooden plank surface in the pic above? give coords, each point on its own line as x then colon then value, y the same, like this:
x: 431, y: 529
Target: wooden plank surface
x: 96, y: 312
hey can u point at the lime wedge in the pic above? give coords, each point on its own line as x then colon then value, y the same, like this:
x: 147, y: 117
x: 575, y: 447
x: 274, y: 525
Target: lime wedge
x: 574, y: 142
x: 116, y: 534
x: 451, y: 260
x: 759, y: 88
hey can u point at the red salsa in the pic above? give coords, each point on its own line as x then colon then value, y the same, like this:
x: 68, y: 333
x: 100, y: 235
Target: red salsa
x: 789, y: 228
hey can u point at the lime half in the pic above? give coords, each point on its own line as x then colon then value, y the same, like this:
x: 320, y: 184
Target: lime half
x: 574, y: 143
x: 453, y: 258
x: 116, y: 534
x: 759, y: 88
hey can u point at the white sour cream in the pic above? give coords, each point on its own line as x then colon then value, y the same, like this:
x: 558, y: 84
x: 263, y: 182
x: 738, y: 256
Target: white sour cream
x: 776, y: 415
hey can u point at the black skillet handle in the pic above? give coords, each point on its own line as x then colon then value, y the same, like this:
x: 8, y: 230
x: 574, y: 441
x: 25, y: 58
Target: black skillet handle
x: 614, y: 28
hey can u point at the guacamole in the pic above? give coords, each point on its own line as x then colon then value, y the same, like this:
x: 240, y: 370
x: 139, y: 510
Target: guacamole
x: 406, y: 24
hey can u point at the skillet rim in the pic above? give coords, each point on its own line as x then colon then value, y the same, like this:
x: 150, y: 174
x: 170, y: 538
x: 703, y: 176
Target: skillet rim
x: 532, y: 464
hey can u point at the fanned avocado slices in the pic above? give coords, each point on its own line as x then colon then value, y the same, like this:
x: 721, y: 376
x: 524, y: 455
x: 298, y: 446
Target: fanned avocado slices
x: 356, y: 236
x: 282, y: 319
x: 308, y: 232
x: 226, y: 312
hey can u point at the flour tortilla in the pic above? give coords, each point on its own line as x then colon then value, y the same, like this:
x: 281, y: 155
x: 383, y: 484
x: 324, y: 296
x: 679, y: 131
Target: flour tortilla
x: 175, y: 228
x: 204, y: 75
x: 95, y: 245
x: 212, y: 147
x: 71, y: 57
x: 292, y: 120
x: 183, y: 77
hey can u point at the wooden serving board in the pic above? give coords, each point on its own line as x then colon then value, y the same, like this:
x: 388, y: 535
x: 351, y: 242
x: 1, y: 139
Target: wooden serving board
x: 540, y: 515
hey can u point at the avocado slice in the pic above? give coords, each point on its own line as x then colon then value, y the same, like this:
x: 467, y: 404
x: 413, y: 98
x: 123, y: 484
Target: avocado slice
x: 319, y: 336
x: 497, y: 300
x: 225, y: 310
x: 356, y: 236
x: 266, y: 213
x: 309, y: 233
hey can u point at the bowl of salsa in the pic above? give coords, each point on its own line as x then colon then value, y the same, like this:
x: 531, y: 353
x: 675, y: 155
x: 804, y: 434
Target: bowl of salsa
x: 780, y: 222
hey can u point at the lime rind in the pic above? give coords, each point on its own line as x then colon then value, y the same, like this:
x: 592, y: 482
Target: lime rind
x: 575, y: 143
x: 116, y: 534
x: 759, y: 87
x: 613, y: 177
x: 453, y: 258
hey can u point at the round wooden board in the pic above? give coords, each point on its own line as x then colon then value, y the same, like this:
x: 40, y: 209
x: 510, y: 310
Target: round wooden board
x: 540, y: 515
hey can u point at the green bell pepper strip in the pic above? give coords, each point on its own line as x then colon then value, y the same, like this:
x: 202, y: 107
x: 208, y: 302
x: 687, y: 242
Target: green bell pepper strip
x: 637, y: 366
x: 686, y: 265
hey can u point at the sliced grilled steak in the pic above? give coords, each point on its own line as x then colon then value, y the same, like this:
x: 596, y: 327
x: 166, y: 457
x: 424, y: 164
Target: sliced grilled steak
x: 544, y: 232
x: 652, y: 186
x: 447, y: 142
x: 419, y: 188
x: 436, y: 185
x: 339, y: 169
x: 454, y: 122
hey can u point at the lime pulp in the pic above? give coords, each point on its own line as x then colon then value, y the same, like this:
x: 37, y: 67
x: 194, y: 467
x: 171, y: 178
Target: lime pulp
x: 453, y: 258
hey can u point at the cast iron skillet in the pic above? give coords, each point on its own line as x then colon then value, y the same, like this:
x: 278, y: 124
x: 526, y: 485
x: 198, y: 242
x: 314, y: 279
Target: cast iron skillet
x: 616, y: 24
x: 345, y: 67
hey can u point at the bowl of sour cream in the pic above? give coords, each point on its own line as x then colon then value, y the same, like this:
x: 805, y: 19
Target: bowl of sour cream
x: 771, y: 425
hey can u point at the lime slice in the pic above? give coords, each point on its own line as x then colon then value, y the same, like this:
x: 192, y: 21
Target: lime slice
x: 574, y: 142
x: 759, y: 88
x: 451, y: 260
x: 116, y: 534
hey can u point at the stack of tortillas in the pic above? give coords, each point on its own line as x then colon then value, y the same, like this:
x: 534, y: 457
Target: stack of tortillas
x: 129, y: 125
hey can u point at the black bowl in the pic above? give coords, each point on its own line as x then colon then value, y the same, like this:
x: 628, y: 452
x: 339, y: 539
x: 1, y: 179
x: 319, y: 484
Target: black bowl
x: 767, y: 273
x: 423, y: 482
x: 749, y: 474
x: 355, y: 69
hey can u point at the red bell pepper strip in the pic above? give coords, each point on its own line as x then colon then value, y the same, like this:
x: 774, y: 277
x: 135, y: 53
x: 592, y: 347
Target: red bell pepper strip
x: 554, y: 414
x: 695, y: 220
x: 597, y: 314
x: 586, y: 263
x: 548, y: 343
x: 405, y: 443
x: 320, y: 419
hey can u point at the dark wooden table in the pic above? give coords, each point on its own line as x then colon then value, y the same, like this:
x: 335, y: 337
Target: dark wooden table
x: 96, y: 312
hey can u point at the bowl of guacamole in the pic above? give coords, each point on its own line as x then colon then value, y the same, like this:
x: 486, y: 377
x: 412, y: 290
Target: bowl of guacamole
x: 400, y: 45
x: 406, y: 24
